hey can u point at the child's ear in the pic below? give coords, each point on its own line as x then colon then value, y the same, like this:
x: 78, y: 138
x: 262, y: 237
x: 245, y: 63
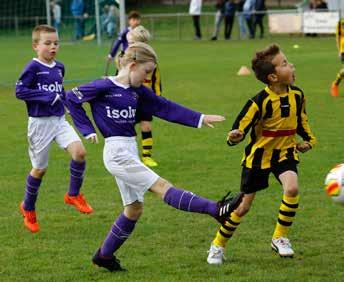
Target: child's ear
x: 272, y: 77
x: 34, y: 46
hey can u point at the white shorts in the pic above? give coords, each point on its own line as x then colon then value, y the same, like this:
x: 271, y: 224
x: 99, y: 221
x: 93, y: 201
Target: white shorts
x: 42, y: 131
x: 122, y: 160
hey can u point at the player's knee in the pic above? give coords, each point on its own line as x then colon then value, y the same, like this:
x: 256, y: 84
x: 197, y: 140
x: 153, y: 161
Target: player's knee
x: 134, y: 211
x: 79, y: 154
x: 341, y: 72
x: 160, y: 187
x: 292, y: 191
x: 38, y: 172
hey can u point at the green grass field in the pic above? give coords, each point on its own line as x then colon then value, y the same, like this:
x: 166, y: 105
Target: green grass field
x: 169, y: 245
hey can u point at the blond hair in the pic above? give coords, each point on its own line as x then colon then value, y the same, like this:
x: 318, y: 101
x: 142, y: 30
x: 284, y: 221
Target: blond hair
x: 137, y: 52
x: 36, y: 32
x: 140, y: 34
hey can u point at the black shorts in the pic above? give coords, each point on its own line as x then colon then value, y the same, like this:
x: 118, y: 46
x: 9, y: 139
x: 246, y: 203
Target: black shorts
x: 141, y: 116
x: 255, y: 179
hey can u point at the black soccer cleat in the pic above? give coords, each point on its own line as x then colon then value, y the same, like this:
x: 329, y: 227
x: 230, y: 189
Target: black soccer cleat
x: 111, y: 264
x: 227, y: 205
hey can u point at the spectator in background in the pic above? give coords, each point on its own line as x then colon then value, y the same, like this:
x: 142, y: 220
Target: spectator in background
x: 260, y: 9
x: 248, y: 14
x: 195, y: 12
x: 220, y: 13
x: 56, y: 10
x: 241, y: 19
x: 230, y: 8
x: 109, y: 25
x: 318, y: 5
x: 77, y: 9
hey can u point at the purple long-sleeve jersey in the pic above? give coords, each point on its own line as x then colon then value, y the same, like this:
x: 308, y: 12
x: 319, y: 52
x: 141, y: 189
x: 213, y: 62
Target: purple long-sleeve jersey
x: 122, y: 39
x: 114, y: 106
x: 38, y: 86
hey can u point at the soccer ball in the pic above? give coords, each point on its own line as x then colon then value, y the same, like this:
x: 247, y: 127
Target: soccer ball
x: 334, y: 184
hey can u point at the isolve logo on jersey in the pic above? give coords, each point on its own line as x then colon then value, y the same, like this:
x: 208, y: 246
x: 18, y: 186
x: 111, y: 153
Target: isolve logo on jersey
x: 55, y: 87
x: 124, y: 113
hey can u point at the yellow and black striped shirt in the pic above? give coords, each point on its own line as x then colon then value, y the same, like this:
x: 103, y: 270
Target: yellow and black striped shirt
x: 153, y: 81
x: 340, y: 35
x: 274, y: 120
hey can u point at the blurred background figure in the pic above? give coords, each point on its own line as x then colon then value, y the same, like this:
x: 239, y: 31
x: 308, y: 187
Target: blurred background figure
x: 56, y: 11
x: 260, y: 9
x: 77, y: 9
x: 230, y: 8
x: 109, y: 25
x: 318, y: 5
x: 195, y: 12
x: 248, y: 10
x: 220, y: 13
x: 241, y: 19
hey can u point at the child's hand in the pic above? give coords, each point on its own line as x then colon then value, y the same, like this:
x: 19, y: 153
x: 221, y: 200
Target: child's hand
x: 93, y: 138
x: 303, y: 147
x: 235, y: 135
x: 208, y: 120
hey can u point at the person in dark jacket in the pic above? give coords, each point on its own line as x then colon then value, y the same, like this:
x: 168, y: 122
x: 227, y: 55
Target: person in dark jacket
x: 259, y: 15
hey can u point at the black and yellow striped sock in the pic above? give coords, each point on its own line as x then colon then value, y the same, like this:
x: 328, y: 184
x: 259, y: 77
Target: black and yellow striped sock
x: 226, y: 230
x: 338, y: 78
x: 286, y: 216
x: 147, y: 143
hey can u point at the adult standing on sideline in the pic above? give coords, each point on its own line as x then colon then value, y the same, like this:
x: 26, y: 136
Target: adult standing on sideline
x: 230, y: 8
x: 56, y: 10
x: 248, y: 14
x: 195, y: 12
x: 241, y: 19
x: 220, y: 13
x: 260, y: 9
x: 77, y: 9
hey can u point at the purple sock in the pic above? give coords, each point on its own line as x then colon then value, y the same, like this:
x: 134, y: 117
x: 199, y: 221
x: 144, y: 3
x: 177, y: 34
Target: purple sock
x: 120, y: 231
x: 188, y: 201
x: 77, y: 170
x: 31, y: 192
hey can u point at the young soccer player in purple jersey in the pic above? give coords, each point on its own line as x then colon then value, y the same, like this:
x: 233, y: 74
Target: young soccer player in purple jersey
x: 41, y: 87
x: 134, y: 20
x: 114, y: 102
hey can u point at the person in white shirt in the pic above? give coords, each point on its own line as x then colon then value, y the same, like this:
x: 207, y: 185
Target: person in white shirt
x: 195, y: 12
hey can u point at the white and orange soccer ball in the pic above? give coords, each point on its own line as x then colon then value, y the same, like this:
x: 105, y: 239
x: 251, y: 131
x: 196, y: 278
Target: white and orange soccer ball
x: 334, y: 184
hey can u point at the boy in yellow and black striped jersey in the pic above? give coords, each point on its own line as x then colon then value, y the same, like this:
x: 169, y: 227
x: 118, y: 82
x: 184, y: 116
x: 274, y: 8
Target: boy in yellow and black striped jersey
x: 274, y: 116
x: 340, y: 46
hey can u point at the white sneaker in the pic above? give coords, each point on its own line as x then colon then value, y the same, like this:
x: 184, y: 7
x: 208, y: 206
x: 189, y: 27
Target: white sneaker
x: 215, y: 255
x: 282, y: 246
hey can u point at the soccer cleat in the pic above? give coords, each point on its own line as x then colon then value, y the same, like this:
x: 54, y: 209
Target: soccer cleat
x: 89, y: 37
x: 79, y: 202
x: 282, y: 246
x: 30, y: 219
x: 227, y: 205
x: 148, y: 161
x: 334, y: 90
x: 111, y: 264
x: 215, y: 255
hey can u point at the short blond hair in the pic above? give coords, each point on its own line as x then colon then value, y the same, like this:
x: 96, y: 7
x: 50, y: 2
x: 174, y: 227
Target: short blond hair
x: 36, y: 32
x: 140, y: 34
x: 137, y: 52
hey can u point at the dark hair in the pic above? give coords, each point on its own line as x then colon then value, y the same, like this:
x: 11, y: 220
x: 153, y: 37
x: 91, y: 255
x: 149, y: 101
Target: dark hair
x: 36, y: 32
x: 262, y: 62
x: 134, y: 15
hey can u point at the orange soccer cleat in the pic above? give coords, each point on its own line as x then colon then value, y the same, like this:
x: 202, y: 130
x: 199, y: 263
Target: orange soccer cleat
x: 30, y: 219
x: 79, y: 202
x: 334, y: 90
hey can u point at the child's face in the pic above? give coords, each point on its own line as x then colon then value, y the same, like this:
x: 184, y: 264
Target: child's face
x: 47, y: 46
x: 133, y: 22
x: 284, y: 71
x: 139, y: 72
